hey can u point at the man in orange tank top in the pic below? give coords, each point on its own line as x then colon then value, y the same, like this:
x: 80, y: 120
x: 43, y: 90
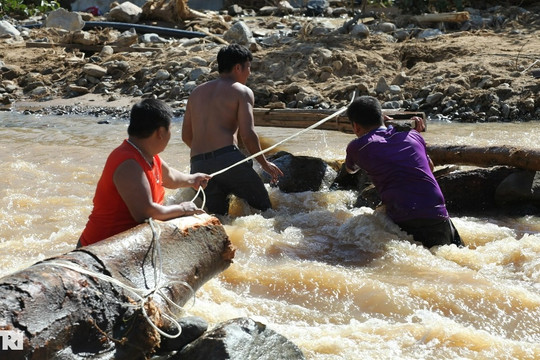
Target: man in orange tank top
x: 132, y: 186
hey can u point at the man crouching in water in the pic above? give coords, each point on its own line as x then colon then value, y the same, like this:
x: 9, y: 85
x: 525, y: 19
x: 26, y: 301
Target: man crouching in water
x: 216, y: 113
x: 402, y: 173
x: 132, y: 185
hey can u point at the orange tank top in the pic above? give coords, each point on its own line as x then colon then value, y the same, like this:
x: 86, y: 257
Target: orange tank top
x: 110, y: 214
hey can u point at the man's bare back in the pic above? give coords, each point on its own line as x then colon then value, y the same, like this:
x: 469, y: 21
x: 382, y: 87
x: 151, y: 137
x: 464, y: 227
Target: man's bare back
x: 216, y: 111
x: 220, y: 110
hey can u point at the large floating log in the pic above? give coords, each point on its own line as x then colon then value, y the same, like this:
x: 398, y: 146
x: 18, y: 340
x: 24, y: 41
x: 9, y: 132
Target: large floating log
x: 66, y: 313
x: 528, y: 159
x: 303, y: 118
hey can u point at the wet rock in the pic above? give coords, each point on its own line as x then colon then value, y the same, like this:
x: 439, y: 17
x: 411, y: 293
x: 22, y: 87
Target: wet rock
x: 241, y: 339
x: 301, y: 173
x: 192, y: 328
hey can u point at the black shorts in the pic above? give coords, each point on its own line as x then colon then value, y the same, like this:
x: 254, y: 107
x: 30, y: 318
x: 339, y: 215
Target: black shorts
x: 241, y: 181
x: 432, y: 232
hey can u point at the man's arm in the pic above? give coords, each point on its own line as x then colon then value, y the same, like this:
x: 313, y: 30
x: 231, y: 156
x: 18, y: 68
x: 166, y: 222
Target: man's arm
x: 187, y: 127
x: 246, y: 130
x: 174, y: 179
x: 133, y: 187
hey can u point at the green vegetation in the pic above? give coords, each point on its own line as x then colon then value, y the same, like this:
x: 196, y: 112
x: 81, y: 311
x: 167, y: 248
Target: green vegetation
x: 26, y: 8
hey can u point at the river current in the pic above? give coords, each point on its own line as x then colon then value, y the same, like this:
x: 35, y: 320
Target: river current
x: 340, y: 282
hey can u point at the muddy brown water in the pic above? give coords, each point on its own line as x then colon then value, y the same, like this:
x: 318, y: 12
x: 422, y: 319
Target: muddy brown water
x: 341, y: 282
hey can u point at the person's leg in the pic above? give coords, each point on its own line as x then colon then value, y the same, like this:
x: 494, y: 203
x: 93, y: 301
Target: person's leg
x: 432, y: 232
x: 250, y: 187
x: 217, y: 201
x: 246, y: 184
x: 456, y: 239
x: 241, y: 180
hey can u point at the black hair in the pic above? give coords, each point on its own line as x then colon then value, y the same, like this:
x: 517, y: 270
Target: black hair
x: 147, y: 116
x: 365, y: 111
x: 231, y: 55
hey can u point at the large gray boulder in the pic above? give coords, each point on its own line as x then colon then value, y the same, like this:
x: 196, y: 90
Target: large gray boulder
x: 241, y: 339
x: 301, y: 173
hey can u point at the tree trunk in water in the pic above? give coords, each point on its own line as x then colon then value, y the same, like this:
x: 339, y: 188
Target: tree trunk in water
x: 527, y: 159
x: 67, y: 313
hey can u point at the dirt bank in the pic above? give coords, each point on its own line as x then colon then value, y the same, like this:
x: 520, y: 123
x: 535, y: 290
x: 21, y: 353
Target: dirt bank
x: 479, y: 74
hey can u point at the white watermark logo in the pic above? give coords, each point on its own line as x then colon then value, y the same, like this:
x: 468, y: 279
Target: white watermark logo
x: 11, y: 340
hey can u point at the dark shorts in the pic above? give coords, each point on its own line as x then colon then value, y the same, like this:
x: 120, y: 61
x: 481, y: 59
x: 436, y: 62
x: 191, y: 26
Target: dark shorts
x: 241, y: 181
x: 432, y: 232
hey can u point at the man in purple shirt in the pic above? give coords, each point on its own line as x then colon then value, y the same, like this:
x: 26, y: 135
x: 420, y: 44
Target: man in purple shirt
x: 402, y: 173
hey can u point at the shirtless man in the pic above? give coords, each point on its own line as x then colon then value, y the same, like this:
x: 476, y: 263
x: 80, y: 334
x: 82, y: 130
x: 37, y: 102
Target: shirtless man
x: 216, y: 113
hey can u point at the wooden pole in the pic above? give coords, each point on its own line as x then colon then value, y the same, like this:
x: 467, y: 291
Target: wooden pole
x: 303, y: 118
x: 63, y: 311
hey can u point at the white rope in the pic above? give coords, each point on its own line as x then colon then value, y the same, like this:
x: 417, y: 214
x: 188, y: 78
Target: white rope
x: 318, y: 123
x: 142, y: 295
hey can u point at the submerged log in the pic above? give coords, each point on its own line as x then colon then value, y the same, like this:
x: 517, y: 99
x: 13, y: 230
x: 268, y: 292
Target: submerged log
x: 528, y: 159
x: 65, y: 309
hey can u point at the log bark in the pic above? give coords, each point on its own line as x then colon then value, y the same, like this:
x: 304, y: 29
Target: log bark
x: 528, y: 159
x: 65, y: 313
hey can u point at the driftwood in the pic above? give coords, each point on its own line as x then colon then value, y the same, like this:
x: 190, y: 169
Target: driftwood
x: 170, y: 11
x: 527, y: 159
x: 66, y: 313
x: 457, y: 17
x: 303, y: 118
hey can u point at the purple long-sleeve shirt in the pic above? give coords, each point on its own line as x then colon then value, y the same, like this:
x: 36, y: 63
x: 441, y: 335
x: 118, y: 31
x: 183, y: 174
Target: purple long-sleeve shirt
x: 398, y: 165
